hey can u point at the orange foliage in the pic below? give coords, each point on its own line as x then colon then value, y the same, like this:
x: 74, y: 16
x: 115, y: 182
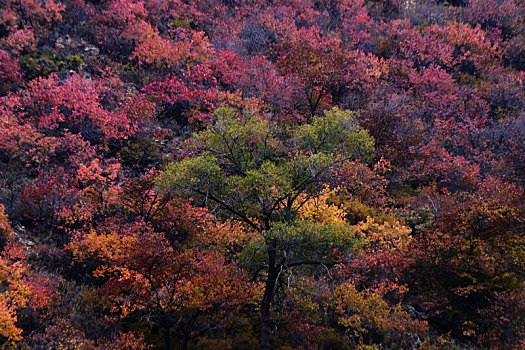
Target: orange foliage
x: 361, y: 311
x: 20, y: 287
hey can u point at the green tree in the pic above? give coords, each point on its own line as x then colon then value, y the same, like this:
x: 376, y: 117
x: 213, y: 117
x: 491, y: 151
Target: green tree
x: 260, y: 174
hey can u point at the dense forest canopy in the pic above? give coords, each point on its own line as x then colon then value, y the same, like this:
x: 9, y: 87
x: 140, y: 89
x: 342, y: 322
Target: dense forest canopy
x: 273, y: 174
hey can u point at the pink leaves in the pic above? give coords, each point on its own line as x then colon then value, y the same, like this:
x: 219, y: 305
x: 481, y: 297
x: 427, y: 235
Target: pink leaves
x: 22, y: 18
x: 10, y: 74
x: 197, y: 88
x: 49, y: 104
x: 448, y: 46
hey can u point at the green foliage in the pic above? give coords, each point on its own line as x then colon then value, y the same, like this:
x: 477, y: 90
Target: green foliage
x: 314, y: 239
x: 181, y: 23
x: 73, y: 61
x: 37, y: 65
x: 252, y: 169
x: 244, y: 141
x: 200, y: 175
x: 336, y: 132
x: 301, y: 241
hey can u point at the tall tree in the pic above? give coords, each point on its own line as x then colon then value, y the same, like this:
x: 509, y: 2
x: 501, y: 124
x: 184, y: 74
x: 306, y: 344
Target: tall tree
x: 247, y: 168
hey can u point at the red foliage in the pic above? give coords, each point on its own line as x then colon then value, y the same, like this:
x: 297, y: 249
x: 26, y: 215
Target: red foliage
x: 72, y: 105
x: 10, y: 75
x: 437, y: 213
x: 197, y: 89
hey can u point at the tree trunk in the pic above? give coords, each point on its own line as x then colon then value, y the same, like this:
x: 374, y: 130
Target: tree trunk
x: 266, y: 303
x: 167, y: 336
x: 185, y: 343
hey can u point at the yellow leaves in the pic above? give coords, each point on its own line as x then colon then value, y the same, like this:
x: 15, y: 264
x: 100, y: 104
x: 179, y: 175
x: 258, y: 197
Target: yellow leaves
x: 469, y: 328
x: 386, y: 246
x: 15, y: 293
x: 386, y: 236
x: 355, y: 308
x: 5, y: 227
x: 365, y: 308
x: 4, y: 222
x: 7, y: 323
x: 319, y: 210
x: 14, y: 297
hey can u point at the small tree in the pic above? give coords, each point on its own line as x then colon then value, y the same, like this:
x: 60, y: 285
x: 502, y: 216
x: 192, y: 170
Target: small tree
x: 247, y: 168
